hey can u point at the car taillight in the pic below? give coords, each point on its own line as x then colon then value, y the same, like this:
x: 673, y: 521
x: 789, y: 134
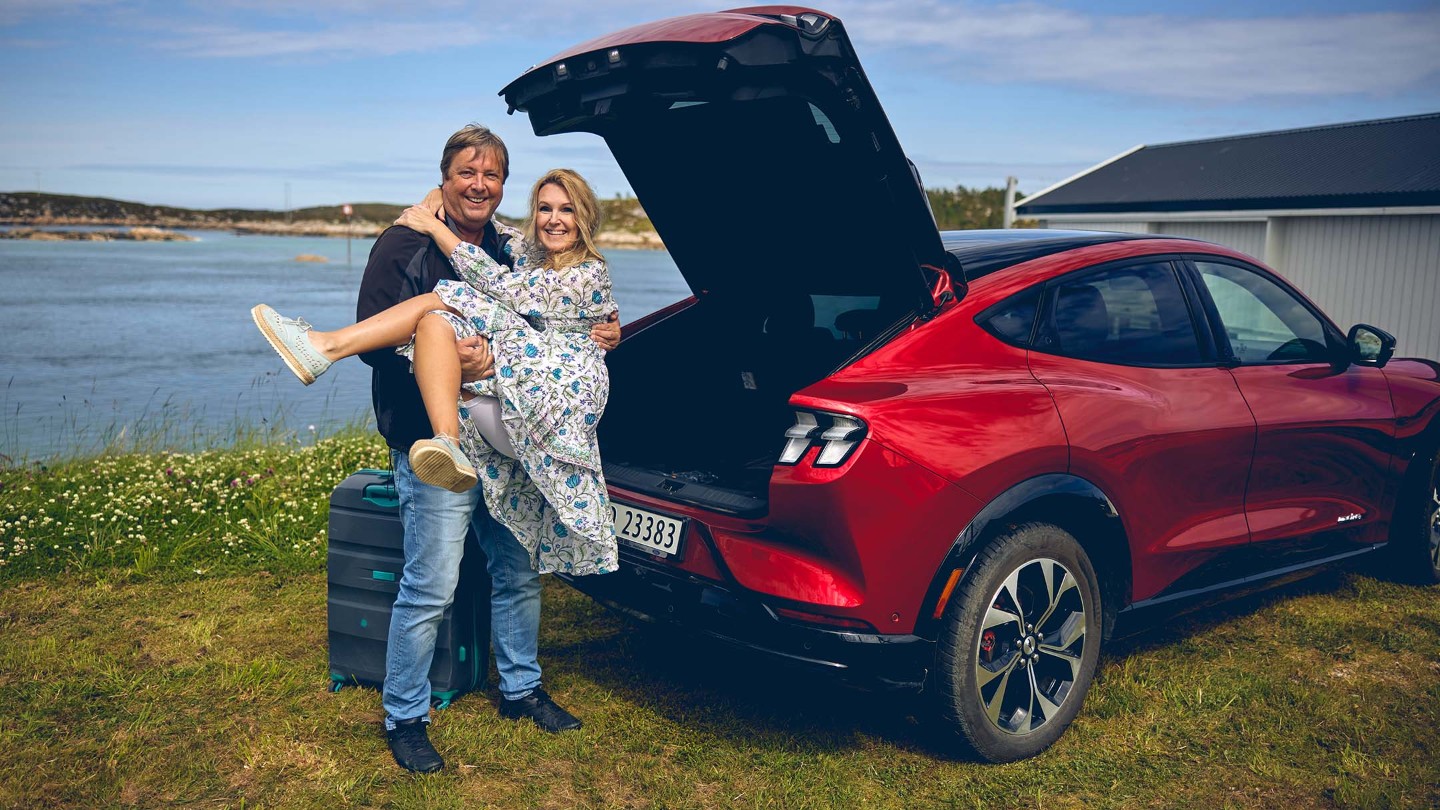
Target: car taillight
x: 836, y: 434
x: 825, y: 620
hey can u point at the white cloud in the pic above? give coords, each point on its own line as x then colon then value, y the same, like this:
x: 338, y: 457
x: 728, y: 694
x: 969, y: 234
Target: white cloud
x: 16, y: 12
x: 332, y: 8
x: 357, y: 28
x: 345, y: 169
x: 939, y: 172
x: 1190, y: 57
x: 347, y: 40
x: 1198, y: 56
x: 1165, y: 56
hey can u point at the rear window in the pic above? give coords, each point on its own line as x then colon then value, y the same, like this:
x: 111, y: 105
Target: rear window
x: 847, y: 316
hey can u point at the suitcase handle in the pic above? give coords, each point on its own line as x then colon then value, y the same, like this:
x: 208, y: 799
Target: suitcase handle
x: 383, y: 495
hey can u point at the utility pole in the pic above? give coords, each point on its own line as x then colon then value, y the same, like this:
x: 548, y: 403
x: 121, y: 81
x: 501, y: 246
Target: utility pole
x: 1008, y: 218
x: 289, y: 215
x: 347, y: 210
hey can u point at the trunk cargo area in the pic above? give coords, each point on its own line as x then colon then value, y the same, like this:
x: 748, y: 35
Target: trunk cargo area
x: 699, y: 401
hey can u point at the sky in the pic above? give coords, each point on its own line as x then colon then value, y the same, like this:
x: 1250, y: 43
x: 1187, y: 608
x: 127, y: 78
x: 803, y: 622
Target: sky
x: 274, y: 104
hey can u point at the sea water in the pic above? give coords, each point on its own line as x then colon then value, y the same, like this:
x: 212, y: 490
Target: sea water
x: 150, y: 344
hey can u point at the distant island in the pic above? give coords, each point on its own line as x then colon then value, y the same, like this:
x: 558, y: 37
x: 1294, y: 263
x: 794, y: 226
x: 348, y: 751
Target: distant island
x: 625, y: 224
x: 140, y: 233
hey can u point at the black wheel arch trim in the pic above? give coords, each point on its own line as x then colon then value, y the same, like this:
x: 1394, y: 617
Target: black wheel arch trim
x: 1012, y: 502
x: 1421, y: 449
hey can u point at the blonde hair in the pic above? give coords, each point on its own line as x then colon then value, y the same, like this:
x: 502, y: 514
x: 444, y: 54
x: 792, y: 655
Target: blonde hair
x: 587, y: 218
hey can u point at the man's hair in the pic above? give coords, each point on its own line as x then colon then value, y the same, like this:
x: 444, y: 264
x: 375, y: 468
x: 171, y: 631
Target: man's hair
x: 474, y: 136
x: 587, y: 217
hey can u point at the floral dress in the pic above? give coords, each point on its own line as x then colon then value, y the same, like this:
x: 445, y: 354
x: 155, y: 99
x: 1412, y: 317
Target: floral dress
x: 552, y: 384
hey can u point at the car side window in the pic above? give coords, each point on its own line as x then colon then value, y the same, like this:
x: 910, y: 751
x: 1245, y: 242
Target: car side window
x: 1014, y: 318
x: 1130, y: 315
x: 1264, y: 321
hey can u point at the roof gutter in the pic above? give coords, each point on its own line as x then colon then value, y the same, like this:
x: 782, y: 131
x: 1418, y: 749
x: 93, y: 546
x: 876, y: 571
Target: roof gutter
x: 1232, y: 215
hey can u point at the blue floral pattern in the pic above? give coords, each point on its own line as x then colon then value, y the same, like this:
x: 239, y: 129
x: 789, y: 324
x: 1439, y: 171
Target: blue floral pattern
x: 553, y: 385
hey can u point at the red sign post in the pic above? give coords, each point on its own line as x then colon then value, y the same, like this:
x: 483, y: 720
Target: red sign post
x: 347, y: 211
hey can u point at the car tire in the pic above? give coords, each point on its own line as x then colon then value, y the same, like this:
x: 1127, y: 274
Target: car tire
x: 1413, y: 554
x: 1019, y: 644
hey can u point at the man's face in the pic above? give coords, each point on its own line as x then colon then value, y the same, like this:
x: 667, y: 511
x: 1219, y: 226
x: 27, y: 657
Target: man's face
x: 473, y: 189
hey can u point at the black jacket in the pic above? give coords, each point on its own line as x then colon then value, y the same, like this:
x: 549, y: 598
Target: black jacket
x: 403, y: 264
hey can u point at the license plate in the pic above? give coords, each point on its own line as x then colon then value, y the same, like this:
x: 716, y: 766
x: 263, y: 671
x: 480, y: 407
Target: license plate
x: 654, y: 533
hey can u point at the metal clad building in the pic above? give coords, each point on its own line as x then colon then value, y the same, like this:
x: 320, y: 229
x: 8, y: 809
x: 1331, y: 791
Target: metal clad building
x: 1350, y: 212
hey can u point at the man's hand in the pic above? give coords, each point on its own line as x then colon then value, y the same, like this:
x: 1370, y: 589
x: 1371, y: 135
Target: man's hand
x: 607, y: 335
x: 475, y: 361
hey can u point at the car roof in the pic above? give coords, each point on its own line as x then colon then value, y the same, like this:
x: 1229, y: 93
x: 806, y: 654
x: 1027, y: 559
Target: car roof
x: 982, y: 252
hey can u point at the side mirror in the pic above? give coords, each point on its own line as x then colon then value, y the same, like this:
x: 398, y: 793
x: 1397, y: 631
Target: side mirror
x: 1370, y: 346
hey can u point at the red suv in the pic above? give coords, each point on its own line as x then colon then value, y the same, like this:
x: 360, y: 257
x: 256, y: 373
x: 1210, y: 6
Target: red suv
x: 950, y: 461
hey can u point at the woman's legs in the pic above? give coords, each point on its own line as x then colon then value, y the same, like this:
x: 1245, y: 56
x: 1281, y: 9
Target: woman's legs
x: 392, y: 327
x: 440, y: 461
x: 437, y: 373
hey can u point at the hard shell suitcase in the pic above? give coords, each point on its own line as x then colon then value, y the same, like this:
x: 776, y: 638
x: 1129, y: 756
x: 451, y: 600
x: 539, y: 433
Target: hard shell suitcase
x: 364, y: 563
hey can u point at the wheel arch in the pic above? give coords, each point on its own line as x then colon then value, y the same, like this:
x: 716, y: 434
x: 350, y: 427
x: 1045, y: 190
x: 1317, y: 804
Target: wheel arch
x: 1397, y: 559
x: 1422, y: 448
x: 1067, y: 501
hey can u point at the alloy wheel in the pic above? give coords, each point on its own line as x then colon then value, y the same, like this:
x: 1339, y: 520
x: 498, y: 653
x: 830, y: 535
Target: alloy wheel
x: 1434, y: 521
x: 1031, y: 642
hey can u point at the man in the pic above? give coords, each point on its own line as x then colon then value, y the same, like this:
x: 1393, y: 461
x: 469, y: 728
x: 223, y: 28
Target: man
x: 403, y: 264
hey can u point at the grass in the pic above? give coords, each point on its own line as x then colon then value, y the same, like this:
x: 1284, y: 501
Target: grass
x: 162, y: 642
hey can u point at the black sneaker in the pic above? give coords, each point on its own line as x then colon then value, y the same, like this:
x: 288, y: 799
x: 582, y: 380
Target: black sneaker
x: 539, y: 707
x: 410, y: 743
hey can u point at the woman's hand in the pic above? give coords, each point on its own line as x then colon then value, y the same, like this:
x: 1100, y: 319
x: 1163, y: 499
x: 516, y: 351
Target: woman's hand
x: 435, y: 203
x: 420, y: 218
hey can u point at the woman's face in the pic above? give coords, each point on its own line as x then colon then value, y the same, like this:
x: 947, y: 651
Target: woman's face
x: 555, y: 219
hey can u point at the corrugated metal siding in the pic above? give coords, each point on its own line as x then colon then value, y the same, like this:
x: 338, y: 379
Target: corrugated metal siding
x: 1246, y: 237
x: 1099, y: 225
x: 1383, y: 270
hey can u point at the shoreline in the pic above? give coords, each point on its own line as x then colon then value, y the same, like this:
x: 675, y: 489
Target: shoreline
x: 148, y: 230
x: 142, y: 233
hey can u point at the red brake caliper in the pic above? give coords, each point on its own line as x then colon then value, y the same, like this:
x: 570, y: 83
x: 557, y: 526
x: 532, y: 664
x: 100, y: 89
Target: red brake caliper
x: 987, y: 646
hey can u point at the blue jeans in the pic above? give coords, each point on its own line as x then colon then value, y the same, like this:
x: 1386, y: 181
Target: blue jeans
x: 434, y: 521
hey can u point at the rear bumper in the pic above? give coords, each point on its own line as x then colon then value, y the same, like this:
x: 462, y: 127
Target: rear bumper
x: 663, y: 594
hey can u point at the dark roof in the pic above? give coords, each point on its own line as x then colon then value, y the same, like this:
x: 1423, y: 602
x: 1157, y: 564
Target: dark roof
x: 1366, y: 164
x: 983, y: 252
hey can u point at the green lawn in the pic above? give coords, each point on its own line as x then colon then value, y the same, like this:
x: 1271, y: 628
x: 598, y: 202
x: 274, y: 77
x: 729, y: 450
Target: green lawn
x: 175, y: 655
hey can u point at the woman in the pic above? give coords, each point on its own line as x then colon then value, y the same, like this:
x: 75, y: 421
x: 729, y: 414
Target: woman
x: 550, y: 385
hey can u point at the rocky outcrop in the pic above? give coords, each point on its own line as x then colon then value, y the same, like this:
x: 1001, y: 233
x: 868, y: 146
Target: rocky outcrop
x: 139, y: 234
x: 644, y: 240
x: 356, y: 230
